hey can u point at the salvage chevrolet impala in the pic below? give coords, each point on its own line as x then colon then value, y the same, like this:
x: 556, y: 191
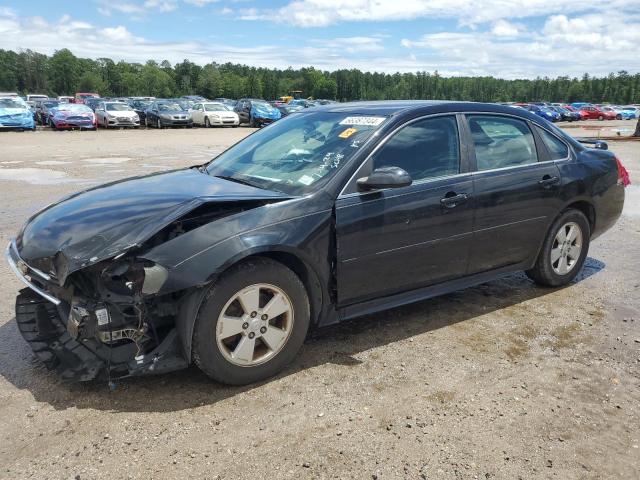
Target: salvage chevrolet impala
x: 332, y: 213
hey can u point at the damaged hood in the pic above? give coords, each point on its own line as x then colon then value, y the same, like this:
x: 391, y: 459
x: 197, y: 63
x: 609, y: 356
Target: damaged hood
x: 105, y: 221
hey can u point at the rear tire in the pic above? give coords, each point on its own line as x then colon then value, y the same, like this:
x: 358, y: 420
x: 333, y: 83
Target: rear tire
x: 159, y: 124
x: 563, y: 251
x: 600, y: 118
x: 216, y: 348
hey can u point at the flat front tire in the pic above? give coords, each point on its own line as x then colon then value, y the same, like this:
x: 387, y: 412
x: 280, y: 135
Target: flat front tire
x: 563, y: 251
x: 252, y: 322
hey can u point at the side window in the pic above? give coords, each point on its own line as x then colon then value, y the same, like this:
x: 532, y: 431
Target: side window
x: 426, y: 148
x: 557, y: 148
x: 501, y: 142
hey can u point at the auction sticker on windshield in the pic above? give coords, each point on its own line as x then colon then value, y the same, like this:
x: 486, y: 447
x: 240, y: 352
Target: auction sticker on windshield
x: 370, y: 121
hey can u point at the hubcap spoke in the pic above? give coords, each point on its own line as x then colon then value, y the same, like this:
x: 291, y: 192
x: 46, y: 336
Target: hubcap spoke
x: 244, y: 350
x: 574, y: 252
x: 276, y: 306
x: 555, y: 254
x: 274, y: 337
x: 572, y: 233
x: 249, y: 298
x: 562, y: 265
x: 229, y: 326
x: 562, y: 234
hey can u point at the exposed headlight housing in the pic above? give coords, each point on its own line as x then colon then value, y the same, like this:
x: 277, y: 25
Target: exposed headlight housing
x: 134, y: 276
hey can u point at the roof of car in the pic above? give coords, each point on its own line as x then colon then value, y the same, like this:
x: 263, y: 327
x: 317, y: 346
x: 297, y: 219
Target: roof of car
x: 391, y: 107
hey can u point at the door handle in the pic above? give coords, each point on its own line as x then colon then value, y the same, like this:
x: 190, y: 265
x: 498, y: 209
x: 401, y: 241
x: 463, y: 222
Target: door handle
x: 452, y: 200
x: 548, y: 182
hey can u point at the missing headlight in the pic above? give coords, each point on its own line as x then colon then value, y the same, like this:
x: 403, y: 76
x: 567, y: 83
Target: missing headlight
x: 134, y: 277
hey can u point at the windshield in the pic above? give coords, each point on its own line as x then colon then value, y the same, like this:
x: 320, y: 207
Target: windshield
x: 12, y: 103
x: 215, y: 107
x: 169, y: 107
x: 294, y: 154
x: 73, y: 107
x: 118, y: 107
x: 50, y: 104
x: 262, y: 105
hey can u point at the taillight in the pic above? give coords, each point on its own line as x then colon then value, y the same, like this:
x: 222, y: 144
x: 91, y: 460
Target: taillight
x: 623, y: 175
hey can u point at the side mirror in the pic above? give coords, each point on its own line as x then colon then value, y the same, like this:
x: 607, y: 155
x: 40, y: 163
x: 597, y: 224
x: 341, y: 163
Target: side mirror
x: 384, y: 177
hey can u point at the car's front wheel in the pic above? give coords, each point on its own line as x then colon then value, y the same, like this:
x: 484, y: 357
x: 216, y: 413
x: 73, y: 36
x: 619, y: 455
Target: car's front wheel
x: 252, y: 322
x: 158, y: 124
x: 563, y: 251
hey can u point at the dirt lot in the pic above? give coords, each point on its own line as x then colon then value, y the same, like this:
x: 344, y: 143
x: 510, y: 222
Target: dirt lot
x: 504, y: 380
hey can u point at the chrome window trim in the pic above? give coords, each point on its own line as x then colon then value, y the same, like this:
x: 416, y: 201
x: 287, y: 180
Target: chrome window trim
x: 474, y: 172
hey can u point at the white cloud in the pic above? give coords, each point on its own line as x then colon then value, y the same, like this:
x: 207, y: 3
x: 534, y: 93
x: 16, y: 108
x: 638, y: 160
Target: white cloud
x: 565, y: 46
x: 320, y: 13
x: 351, y: 44
x: 502, y: 28
x: 199, y: 3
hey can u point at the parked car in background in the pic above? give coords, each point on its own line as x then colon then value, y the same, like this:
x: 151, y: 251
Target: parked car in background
x: 622, y: 114
x: 565, y: 114
x: 542, y: 111
x: 167, y: 113
x: 301, y: 102
x: 194, y: 98
x: 65, y: 99
x: 329, y: 214
x: 595, y: 113
x: 210, y: 114
x: 286, y: 109
x: 633, y: 109
x: 68, y: 116
x: 32, y: 98
x: 583, y: 115
x: 116, y: 114
x: 16, y: 114
x: 92, y: 102
x: 226, y: 101
x: 82, y: 97
x: 256, y: 112
x: 140, y: 107
x: 43, y: 109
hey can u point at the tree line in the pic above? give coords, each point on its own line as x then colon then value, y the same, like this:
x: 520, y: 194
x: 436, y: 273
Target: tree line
x: 64, y: 74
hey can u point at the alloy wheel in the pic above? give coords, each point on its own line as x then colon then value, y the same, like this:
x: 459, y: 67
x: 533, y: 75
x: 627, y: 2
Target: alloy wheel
x: 566, y: 248
x: 254, y: 325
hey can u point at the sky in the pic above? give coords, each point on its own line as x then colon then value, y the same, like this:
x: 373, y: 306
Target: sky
x: 500, y: 38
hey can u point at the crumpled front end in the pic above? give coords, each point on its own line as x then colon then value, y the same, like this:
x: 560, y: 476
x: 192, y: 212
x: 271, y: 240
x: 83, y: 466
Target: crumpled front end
x: 100, y: 322
x: 18, y: 119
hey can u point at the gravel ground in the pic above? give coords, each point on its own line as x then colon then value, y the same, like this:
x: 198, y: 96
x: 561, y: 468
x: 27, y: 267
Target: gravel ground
x: 504, y: 380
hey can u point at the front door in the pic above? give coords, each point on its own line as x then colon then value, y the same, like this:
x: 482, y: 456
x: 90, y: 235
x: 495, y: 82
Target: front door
x: 516, y: 192
x: 396, y: 240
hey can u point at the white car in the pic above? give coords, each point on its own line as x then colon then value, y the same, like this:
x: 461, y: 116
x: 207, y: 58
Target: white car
x: 116, y: 114
x: 213, y: 113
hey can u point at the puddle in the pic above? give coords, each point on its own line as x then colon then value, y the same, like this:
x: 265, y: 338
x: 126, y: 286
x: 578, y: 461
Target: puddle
x: 52, y: 162
x: 107, y: 160
x: 35, y: 176
x: 632, y: 201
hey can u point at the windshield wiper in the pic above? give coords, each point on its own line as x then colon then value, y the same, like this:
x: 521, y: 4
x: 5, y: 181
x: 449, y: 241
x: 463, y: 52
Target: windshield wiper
x: 240, y: 180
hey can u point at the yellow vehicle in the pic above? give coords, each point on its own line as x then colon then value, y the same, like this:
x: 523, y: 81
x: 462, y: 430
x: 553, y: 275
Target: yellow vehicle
x: 292, y: 94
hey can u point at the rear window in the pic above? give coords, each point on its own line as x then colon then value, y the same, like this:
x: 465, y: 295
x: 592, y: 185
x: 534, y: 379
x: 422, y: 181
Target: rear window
x: 557, y: 148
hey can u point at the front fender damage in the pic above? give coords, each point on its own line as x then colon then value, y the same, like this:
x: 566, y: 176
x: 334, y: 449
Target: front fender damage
x: 114, y: 319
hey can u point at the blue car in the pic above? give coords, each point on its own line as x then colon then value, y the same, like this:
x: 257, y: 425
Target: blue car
x: 544, y: 112
x: 16, y: 114
x: 624, y: 114
x: 256, y: 112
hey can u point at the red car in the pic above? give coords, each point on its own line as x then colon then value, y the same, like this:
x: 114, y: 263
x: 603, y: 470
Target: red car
x: 81, y: 96
x: 583, y: 115
x: 595, y: 113
x: 68, y: 116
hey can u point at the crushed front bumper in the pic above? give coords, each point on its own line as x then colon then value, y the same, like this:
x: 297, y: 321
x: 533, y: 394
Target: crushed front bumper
x: 44, y: 321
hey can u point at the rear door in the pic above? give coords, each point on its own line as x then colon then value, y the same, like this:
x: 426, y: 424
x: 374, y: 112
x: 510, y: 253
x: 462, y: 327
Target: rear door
x: 516, y: 185
x: 395, y: 240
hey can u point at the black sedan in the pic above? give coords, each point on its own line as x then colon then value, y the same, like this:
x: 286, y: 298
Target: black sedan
x: 332, y: 213
x: 167, y: 113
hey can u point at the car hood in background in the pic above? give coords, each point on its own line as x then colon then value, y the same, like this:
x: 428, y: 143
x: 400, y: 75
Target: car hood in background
x: 105, y: 221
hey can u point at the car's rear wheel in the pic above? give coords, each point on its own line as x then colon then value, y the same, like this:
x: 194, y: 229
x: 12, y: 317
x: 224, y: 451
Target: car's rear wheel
x: 252, y: 322
x: 618, y: 117
x: 600, y: 117
x: 564, y: 250
x: 158, y: 124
